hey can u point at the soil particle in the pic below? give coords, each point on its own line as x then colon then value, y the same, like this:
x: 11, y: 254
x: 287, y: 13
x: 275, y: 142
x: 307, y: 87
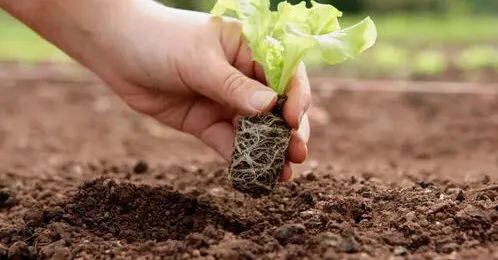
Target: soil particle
x: 340, y: 243
x: 6, y: 198
x: 400, y: 251
x: 63, y: 253
x: 460, y: 196
x: 141, y: 167
x: 424, y: 184
x: 410, y: 216
x: 472, y: 217
x: 4, y: 251
x: 34, y: 217
x: 354, y: 208
x: 447, y: 248
x: 235, y: 249
x: 349, y: 245
x: 290, y: 234
x: 20, y: 251
x: 56, y: 250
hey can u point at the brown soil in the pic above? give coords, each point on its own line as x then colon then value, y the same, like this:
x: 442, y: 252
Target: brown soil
x: 391, y: 174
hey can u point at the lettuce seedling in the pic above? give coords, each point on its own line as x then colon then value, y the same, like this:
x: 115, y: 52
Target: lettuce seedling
x: 279, y: 40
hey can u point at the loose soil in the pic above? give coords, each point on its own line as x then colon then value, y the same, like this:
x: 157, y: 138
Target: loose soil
x: 390, y: 175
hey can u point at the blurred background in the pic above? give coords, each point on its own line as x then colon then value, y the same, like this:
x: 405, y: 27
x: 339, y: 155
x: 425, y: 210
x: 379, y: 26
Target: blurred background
x: 451, y: 40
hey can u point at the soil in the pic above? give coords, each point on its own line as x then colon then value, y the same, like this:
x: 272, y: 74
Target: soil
x: 391, y: 175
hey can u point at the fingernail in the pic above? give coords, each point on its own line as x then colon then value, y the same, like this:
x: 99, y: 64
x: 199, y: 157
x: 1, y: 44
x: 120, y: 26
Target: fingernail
x: 261, y: 99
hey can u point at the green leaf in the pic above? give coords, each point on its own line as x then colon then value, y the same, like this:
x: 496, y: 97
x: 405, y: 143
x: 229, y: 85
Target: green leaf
x: 323, y: 19
x: 222, y: 6
x: 280, y: 40
x: 294, y: 50
x: 345, y: 44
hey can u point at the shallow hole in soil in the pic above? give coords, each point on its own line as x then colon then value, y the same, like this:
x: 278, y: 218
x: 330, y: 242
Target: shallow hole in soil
x: 132, y: 212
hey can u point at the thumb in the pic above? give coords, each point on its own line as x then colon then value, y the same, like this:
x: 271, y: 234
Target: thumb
x: 228, y: 86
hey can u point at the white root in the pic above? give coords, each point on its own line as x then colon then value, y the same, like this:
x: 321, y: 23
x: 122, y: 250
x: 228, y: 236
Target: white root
x: 259, y: 156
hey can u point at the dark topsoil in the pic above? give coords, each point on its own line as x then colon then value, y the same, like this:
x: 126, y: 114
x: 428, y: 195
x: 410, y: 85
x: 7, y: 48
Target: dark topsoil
x: 390, y: 175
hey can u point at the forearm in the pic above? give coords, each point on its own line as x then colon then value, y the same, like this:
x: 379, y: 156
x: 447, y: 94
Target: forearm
x: 89, y: 30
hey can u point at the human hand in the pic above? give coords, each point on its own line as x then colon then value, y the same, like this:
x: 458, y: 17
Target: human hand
x: 194, y: 72
x: 189, y: 70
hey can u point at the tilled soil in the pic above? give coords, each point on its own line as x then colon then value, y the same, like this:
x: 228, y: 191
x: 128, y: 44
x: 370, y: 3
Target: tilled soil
x: 391, y: 174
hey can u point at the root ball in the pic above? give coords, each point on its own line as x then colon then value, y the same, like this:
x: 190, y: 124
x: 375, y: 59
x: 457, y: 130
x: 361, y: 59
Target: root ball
x: 259, y: 156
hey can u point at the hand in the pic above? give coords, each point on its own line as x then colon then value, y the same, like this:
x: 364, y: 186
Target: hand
x: 189, y: 70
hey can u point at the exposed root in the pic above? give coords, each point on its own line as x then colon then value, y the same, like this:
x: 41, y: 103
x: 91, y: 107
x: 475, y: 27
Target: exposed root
x: 260, y: 150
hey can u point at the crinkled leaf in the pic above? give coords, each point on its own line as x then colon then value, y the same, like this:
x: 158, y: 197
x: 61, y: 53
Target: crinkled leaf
x: 347, y: 43
x: 279, y: 40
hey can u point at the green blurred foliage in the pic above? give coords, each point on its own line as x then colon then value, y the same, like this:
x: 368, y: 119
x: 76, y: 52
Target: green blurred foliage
x: 373, y: 6
x: 198, y: 5
x: 429, y: 62
x: 478, y: 57
x: 416, y: 38
x: 19, y: 43
x: 390, y: 58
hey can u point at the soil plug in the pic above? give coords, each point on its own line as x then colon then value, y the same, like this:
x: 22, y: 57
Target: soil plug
x: 279, y: 40
x: 260, y: 148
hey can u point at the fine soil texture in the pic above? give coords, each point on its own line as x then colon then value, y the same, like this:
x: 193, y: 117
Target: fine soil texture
x: 391, y: 175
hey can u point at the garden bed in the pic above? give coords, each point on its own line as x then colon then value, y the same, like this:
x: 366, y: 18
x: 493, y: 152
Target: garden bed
x: 391, y: 173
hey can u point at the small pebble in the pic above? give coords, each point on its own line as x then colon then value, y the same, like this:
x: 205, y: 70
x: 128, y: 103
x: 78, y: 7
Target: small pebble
x: 460, y: 196
x: 400, y: 250
x: 307, y: 213
x: 289, y: 233
x: 424, y: 184
x: 447, y: 248
x: 308, y: 198
x: 328, y: 239
x: 410, y: 216
x: 349, y: 245
x: 4, y: 196
x: 63, y: 253
x: 34, y: 216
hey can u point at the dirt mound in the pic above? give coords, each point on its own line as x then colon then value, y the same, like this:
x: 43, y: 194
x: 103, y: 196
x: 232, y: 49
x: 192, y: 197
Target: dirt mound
x: 314, y: 216
x: 135, y: 212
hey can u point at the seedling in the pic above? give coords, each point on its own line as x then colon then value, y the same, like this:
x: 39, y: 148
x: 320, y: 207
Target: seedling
x: 279, y: 40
